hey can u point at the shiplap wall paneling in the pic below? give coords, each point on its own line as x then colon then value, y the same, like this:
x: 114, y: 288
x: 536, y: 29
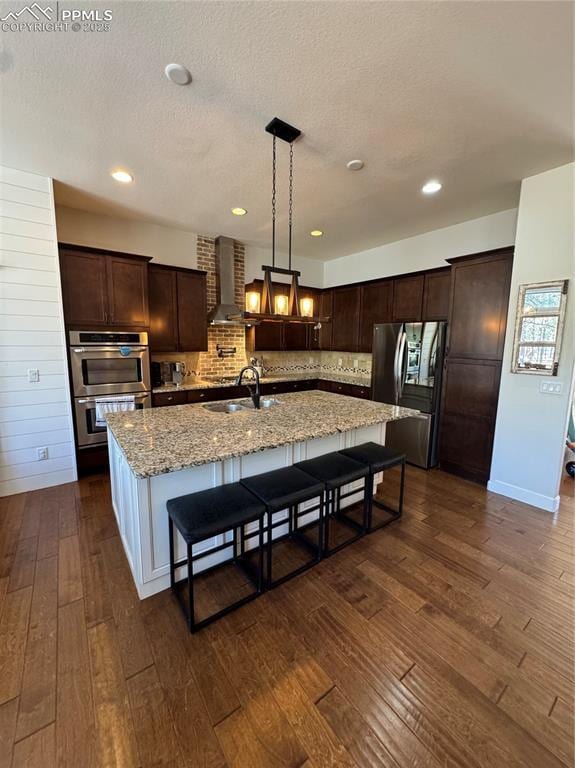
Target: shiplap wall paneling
x: 32, y: 415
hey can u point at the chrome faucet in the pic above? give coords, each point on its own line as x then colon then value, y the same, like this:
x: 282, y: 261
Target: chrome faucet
x: 255, y: 395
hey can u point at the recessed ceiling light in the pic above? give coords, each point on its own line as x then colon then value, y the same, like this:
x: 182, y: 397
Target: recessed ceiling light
x: 316, y: 233
x: 122, y: 176
x: 355, y: 165
x: 178, y: 74
x: 239, y: 211
x: 431, y: 187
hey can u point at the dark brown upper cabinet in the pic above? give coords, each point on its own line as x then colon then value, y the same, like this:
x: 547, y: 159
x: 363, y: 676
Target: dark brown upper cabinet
x: 103, y: 288
x: 295, y: 336
x: 408, y: 299
x: 376, y: 307
x: 436, y: 294
x: 128, y: 291
x: 345, y: 325
x: 266, y: 337
x: 163, y: 309
x: 192, y: 311
x: 479, y: 298
x: 178, y: 311
x: 84, y: 288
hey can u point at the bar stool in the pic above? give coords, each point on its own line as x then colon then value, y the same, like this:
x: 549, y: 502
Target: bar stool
x: 287, y: 488
x: 335, y: 471
x: 203, y: 515
x: 378, y: 458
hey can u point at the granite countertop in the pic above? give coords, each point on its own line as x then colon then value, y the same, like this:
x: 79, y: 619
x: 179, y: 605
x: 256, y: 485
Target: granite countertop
x: 159, y: 440
x: 195, y: 382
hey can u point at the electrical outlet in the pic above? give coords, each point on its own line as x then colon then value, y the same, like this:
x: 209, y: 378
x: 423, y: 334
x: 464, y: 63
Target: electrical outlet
x: 33, y: 375
x: 42, y: 453
x: 340, y: 362
x: 550, y: 387
x: 356, y: 364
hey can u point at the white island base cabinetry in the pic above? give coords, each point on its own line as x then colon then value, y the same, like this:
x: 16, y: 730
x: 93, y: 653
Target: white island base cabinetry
x: 140, y: 502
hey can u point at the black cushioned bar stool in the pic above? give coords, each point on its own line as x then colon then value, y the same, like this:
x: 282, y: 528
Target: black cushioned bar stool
x: 287, y: 488
x: 203, y: 515
x: 378, y: 458
x: 335, y: 471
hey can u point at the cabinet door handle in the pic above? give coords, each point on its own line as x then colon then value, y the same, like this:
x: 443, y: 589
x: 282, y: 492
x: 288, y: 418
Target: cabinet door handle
x: 169, y: 398
x: 202, y: 394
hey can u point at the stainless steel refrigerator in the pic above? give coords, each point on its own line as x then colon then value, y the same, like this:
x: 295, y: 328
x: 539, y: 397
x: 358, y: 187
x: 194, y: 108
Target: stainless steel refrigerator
x: 406, y: 370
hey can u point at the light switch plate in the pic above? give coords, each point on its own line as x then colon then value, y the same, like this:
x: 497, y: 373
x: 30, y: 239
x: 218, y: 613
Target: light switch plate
x: 42, y: 453
x: 550, y: 387
x: 33, y: 375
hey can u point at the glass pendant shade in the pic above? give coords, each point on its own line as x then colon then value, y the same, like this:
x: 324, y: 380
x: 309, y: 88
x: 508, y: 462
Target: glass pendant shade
x: 281, y: 305
x: 253, y: 301
x: 306, y: 307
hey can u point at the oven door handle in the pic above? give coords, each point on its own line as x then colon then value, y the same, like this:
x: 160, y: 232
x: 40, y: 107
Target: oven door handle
x: 88, y: 350
x: 110, y: 398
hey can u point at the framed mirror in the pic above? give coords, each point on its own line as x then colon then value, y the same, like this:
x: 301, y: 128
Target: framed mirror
x: 539, y: 327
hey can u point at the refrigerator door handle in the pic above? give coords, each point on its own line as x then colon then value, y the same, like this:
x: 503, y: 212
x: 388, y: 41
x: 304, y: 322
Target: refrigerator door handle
x: 397, y: 363
x: 403, y: 364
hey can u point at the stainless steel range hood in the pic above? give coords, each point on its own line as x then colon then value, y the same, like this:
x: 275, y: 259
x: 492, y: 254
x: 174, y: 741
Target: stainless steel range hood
x: 226, y: 311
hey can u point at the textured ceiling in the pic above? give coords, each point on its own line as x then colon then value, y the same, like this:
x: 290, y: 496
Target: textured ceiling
x: 477, y: 94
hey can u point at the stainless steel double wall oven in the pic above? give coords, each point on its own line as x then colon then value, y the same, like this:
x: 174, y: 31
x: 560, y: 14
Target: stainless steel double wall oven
x: 106, y: 364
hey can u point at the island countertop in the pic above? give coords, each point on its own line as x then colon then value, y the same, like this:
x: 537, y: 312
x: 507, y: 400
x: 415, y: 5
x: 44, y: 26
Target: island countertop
x: 160, y: 440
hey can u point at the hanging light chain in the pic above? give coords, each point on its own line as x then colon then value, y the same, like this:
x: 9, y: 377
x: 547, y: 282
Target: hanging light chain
x: 274, y: 202
x: 290, y: 199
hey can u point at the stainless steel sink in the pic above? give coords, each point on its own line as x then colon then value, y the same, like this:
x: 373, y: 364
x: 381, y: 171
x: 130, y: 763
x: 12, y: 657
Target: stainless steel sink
x: 224, y: 407
x: 240, y: 405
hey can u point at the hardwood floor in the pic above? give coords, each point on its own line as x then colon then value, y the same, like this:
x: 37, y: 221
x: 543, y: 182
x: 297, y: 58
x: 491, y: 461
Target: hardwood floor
x: 445, y: 639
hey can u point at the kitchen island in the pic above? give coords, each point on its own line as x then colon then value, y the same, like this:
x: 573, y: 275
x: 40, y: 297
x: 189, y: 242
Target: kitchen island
x: 161, y: 453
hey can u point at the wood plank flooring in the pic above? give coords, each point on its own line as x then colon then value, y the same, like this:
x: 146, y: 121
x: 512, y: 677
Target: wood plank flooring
x: 445, y: 639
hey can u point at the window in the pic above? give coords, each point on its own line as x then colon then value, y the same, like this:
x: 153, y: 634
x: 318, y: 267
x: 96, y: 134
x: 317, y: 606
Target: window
x: 539, y: 327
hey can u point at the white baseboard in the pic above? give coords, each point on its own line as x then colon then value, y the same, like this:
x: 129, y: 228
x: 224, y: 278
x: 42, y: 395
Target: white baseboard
x: 547, y: 503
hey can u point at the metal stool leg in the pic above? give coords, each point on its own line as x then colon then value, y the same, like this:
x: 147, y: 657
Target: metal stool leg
x: 269, y: 549
x: 261, y: 554
x: 395, y: 514
x: 401, y: 488
x: 191, y: 617
x: 172, y: 556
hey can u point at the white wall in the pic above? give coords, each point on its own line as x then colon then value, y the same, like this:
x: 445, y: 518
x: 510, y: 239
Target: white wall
x: 424, y: 251
x: 31, y: 336
x: 165, y: 245
x: 530, y: 429
x: 312, y: 271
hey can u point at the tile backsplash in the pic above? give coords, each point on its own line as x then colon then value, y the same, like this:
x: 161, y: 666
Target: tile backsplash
x: 311, y: 363
x: 208, y: 363
x: 314, y: 362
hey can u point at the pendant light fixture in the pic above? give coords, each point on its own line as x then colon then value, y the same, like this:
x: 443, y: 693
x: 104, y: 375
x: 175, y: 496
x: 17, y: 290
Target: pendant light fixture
x: 280, y: 307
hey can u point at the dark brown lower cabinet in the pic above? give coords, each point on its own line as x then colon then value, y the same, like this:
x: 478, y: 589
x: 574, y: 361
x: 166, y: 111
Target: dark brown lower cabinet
x: 268, y: 388
x: 472, y: 369
x: 351, y: 390
x: 470, y: 394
